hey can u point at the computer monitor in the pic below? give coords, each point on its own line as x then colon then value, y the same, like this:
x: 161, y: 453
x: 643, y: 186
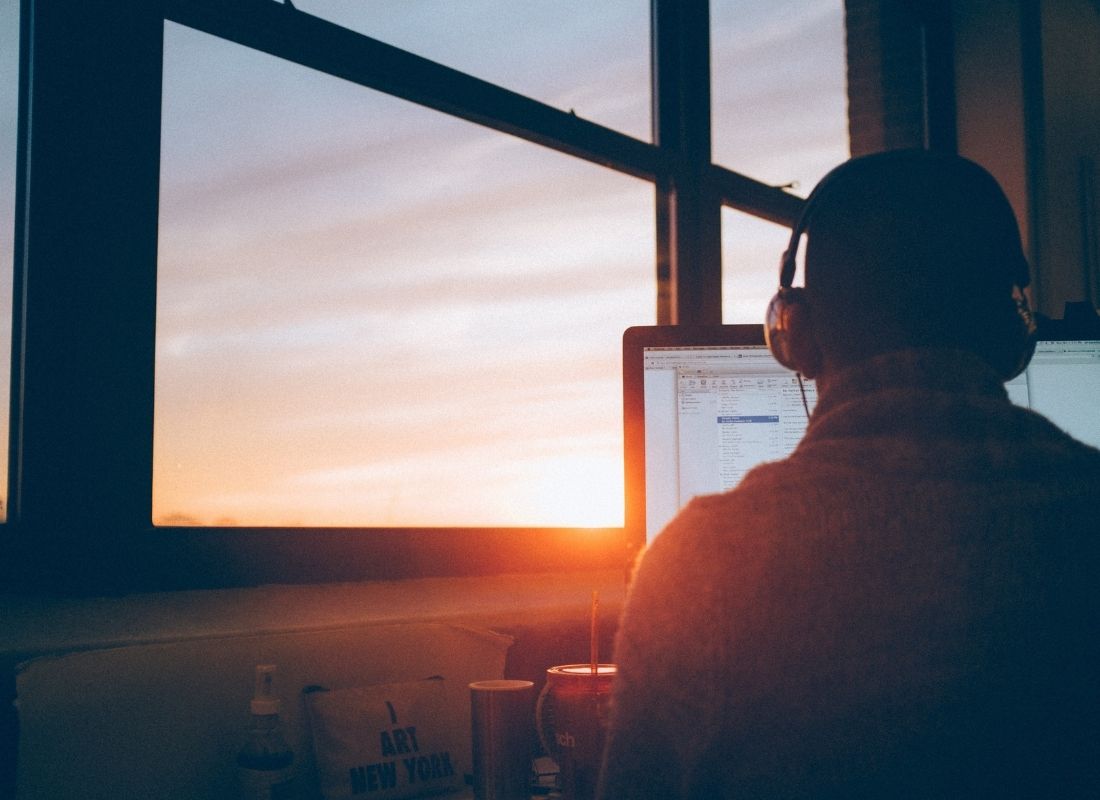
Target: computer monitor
x: 703, y: 405
x: 1062, y: 383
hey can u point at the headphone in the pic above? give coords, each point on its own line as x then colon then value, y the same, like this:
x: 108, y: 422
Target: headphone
x: 1019, y: 345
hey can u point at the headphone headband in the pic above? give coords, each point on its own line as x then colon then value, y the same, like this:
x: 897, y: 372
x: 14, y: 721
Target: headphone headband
x: 788, y: 262
x: 781, y: 319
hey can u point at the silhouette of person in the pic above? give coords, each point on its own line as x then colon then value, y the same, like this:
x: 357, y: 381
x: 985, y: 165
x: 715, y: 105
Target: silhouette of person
x: 906, y: 606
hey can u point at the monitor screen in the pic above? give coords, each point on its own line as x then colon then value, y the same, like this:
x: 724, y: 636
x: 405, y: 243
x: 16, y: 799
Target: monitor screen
x: 1062, y: 382
x: 704, y: 405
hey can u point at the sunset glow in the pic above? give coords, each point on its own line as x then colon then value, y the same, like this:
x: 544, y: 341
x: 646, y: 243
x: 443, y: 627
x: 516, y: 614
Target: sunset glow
x: 373, y: 314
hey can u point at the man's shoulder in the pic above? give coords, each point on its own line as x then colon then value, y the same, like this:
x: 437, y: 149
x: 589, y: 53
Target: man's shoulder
x: 732, y: 524
x: 764, y: 490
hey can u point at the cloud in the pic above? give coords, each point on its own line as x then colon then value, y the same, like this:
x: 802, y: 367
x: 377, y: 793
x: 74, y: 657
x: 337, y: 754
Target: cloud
x: 368, y: 310
x: 779, y: 90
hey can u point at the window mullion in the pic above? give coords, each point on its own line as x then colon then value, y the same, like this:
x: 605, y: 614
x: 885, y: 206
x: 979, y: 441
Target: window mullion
x: 82, y: 405
x: 283, y: 31
x: 688, y: 215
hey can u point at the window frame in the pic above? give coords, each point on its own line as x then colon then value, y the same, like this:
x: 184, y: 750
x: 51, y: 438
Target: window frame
x: 80, y: 480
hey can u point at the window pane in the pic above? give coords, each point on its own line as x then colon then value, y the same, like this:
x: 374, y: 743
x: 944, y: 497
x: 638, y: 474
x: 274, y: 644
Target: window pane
x: 751, y: 249
x: 779, y: 89
x: 571, y: 54
x: 9, y: 107
x: 374, y: 314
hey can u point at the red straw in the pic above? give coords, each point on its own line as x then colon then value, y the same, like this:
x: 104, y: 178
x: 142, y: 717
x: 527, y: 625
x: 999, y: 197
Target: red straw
x: 595, y: 639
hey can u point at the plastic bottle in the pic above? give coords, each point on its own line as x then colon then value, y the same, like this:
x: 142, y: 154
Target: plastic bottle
x: 265, y: 764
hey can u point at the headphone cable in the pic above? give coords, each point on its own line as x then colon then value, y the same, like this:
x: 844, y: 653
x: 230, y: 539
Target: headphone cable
x: 802, y: 391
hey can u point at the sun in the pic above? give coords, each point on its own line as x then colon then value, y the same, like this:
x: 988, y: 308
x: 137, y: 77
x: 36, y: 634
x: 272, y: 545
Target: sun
x: 578, y: 491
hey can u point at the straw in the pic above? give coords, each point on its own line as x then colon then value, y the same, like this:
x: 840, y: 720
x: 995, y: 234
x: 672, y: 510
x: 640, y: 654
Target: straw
x: 595, y: 638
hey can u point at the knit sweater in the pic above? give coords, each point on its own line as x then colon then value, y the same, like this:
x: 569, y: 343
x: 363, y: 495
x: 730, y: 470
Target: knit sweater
x: 904, y: 607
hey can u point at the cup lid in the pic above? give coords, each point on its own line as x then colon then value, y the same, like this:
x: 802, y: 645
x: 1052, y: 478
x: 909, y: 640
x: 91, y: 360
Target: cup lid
x: 501, y: 685
x: 582, y: 670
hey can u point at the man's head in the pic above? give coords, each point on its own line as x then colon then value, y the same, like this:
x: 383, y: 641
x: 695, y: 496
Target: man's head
x: 905, y: 249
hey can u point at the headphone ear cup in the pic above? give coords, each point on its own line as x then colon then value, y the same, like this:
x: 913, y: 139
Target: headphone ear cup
x: 777, y: 325
x: 1023, y: 343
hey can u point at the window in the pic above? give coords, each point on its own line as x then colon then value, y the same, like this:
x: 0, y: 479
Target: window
x: 588, y: 58
x: 785, y: 123
x: 357, y: 295
x: 287, y: 244
x: 9, y: 104
x: 751, y: 248
x: 779, y: 93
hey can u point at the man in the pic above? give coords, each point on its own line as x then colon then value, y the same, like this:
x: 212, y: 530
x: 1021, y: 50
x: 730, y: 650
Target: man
x: 907, y: 605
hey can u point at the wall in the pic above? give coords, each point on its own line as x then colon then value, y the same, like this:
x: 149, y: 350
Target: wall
x: 1070, y: 149
x: 1026, y: 85
x: 989, y: 97
x: 1027, y: 91
x: 885, y: 86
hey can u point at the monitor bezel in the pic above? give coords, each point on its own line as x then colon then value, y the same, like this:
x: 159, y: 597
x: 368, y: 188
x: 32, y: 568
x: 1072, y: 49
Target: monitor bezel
x: 635, y: 342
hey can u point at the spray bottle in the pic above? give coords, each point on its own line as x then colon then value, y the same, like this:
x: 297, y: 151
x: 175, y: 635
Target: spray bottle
x: 265, y: 764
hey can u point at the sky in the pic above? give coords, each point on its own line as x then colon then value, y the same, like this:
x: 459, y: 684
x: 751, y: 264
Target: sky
x: 370, y: 313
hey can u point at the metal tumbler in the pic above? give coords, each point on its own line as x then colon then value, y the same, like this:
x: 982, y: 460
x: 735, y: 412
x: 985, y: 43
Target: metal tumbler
x: 502, y: 722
